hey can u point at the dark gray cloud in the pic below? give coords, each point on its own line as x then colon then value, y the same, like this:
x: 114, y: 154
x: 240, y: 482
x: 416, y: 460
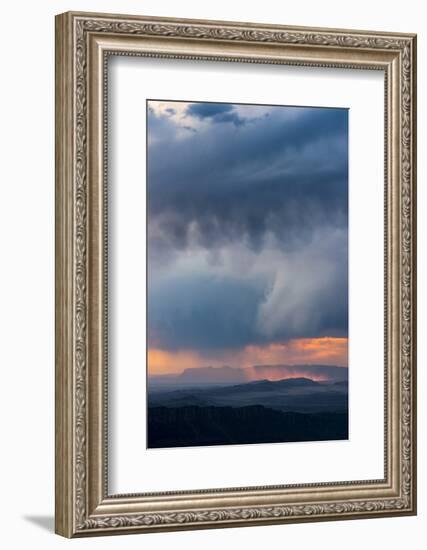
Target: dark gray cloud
x: 247, y: 225
x: 216, y: 112
x: 286, y: 176
x: 192, y: 312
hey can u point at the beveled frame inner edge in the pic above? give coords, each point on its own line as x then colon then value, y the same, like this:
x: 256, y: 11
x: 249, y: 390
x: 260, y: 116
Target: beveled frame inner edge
x: 324, y: 487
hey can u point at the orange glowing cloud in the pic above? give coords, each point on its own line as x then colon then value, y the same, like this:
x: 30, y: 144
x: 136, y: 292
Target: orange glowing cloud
x: 165, y: 362
x: 314, y: 351
x: 307, y: 351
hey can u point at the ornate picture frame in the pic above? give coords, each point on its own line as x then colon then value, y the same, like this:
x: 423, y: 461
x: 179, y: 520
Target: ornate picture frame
x: 84, y: 42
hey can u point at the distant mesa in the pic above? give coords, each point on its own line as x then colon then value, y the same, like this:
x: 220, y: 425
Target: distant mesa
x: 320, y: 373
x: 305, y: 374
x: 209, y: 375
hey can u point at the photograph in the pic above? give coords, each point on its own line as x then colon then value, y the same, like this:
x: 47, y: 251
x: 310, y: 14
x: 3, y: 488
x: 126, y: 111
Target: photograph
x: 247, y: 273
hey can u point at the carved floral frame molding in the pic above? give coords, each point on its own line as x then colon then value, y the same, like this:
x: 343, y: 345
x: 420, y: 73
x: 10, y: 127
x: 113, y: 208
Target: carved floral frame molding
x: 83, y: 43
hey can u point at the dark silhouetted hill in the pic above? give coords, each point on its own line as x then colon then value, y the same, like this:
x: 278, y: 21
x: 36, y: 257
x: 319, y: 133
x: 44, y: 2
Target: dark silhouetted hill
x: 269, y: 385
x: 197, y: 426
x: 291, y: 395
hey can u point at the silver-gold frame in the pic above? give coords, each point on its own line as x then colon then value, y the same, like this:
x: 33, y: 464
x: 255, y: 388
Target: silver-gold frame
x: 84, y: 42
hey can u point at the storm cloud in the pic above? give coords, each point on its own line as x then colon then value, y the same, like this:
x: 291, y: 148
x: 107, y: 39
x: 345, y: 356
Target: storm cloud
x: 216, y: 112
x: 247, y: 230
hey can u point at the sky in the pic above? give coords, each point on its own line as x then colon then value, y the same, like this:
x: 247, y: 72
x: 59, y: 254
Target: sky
x: 247, y: 235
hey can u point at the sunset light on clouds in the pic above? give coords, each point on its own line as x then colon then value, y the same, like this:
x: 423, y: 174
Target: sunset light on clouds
x: 320, y: 351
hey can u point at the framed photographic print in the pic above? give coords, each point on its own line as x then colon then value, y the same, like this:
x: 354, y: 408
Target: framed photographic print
x: 235, y: 274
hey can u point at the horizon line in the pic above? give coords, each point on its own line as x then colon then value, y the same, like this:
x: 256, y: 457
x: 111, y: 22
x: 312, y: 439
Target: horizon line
x: 294, y: 365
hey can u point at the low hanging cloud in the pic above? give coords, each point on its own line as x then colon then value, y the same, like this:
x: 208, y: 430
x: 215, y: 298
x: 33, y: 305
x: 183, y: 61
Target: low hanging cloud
x: 247, y: 226
x: 237, y: 296
x: 215, y: 112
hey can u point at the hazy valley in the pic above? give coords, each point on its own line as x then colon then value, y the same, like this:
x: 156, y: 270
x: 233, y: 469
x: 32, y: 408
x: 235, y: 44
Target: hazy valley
x: 209, y: 413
